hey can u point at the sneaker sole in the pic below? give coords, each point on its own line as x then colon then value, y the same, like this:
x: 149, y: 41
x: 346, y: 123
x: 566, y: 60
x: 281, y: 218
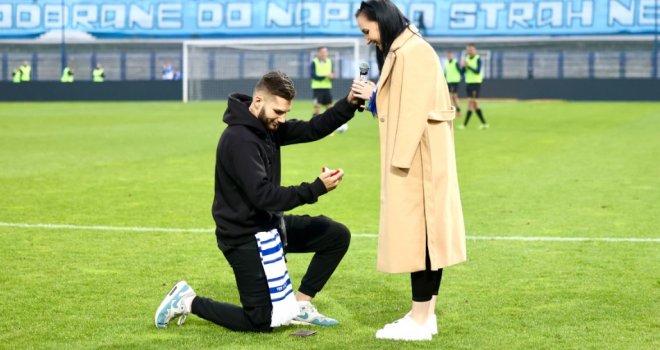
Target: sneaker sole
x: 167, y: 300
x: 406, y: 339
x: 305, y: 323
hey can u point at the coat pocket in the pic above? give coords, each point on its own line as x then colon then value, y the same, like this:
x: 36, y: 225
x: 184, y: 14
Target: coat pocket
x: 442, y: 116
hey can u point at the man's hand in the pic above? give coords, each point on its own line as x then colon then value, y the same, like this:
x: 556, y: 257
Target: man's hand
x: 331, y: 76
x: 331, y: 179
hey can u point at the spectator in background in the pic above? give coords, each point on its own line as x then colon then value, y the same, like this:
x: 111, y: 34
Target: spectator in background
x: 167, y: 72
x: 474, y: 76
x: 26, y: 72
x: 453, y: 74
x: 67, y: 75
x: 16, y: 75
x: 322, y: 75
x: 177, y: 74
x: 98, y: 74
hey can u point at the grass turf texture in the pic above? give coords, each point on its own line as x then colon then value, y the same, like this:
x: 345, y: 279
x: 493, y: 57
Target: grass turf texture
x: 543, y: 169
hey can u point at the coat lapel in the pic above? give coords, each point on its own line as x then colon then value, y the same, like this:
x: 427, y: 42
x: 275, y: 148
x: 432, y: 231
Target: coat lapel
x: 387, y: 69
x: 391, y: 56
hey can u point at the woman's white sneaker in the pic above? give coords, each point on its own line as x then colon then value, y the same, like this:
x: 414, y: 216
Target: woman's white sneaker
x: 404, y: 329
x: 431, y: 323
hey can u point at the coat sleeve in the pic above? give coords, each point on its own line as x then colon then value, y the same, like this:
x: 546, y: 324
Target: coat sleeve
x: 417, y: 91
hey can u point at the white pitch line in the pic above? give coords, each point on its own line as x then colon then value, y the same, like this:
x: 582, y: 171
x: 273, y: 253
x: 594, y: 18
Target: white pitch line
x: 363, y: 235
x: 565, y: 239
x: 105, y: 228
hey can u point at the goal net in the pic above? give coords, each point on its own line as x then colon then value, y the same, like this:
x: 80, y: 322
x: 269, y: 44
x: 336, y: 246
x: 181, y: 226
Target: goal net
x: 212, y: 69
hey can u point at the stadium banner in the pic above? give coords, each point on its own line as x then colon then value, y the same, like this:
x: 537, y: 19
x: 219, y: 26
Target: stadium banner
x: 286, y: 18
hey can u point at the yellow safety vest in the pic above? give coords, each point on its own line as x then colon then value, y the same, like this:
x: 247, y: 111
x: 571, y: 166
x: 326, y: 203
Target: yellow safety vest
x: 25, y: 73
x: 452, y: 72
x: 470, y: 76
x: 97, y: 75
x: 323, y: 69
x: 67, y: 77
x: 16, y: 76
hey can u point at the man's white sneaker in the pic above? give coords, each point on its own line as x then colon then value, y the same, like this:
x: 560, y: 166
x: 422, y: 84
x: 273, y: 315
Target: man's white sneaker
x: 404, y: 329
x: 176, y: 303
x: 309, y: 315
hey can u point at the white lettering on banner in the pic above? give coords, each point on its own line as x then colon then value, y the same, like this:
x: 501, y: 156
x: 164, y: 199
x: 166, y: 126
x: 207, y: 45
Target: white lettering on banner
x: 28, y: 16
x: 239, y: 15
x: 621, y: 14
x: 5, y: 16
x: 209, y: 15
x: 463, y: 16
x: 169, y: 16
x: 279, y: 16
x: 492, y: 12
x: 492, y: 17
x: 428, y: 10
x: 113, y: 16
x: 53, y: 16
x: 521, y: 14
x: 84, y: 16
x: 138, y: 16
x: 586, y: 14
x: 309, y: 14
x: 648, y: 12
x: 555, y: 17
x: 336, y: 12
x: 313, y: 14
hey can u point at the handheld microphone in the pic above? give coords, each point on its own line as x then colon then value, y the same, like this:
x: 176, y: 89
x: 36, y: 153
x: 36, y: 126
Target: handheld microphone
x: 364, y: 72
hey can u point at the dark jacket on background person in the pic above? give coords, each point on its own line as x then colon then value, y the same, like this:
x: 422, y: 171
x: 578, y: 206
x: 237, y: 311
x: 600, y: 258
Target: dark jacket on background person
x: 248, y: 196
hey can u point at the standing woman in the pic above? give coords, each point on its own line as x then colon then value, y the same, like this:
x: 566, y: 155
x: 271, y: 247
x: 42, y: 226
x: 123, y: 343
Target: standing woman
x: 421, y: 227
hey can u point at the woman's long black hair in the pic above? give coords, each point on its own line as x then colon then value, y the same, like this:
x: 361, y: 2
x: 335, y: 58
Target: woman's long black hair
x: 391, y: 23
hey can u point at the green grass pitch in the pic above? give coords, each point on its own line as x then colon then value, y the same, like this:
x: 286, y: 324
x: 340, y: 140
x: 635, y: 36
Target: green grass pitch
x: 544, y: 169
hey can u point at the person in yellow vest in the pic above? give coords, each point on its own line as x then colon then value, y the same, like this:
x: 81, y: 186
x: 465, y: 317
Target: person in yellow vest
x: 26, y: 72
x: 16, y: 75
x: 454, y: 75
x: 98, y: 75
x: 322, y: 75
x: 474, y: 77
x: 67, y: 75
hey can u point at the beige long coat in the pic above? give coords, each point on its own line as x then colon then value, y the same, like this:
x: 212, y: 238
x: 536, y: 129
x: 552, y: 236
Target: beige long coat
x: 420, y: 204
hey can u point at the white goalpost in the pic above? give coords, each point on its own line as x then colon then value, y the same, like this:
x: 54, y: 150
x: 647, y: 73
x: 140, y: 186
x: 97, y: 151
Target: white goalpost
x: 211, y: 67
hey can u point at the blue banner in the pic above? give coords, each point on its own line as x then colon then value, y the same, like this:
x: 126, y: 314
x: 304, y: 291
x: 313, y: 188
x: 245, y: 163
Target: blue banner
x: 237, y: 18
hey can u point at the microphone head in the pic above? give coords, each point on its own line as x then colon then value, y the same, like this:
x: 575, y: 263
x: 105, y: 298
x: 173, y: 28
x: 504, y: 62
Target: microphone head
x: 364, y: 68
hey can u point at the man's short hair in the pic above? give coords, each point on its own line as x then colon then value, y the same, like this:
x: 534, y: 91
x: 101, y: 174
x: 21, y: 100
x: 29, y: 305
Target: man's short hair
x: 278, y: 84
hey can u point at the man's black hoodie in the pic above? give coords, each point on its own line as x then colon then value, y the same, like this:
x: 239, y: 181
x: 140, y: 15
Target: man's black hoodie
x: 248, y: 196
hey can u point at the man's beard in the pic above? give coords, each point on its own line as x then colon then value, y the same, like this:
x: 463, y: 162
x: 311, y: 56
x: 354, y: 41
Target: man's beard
x: 268, y: 123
